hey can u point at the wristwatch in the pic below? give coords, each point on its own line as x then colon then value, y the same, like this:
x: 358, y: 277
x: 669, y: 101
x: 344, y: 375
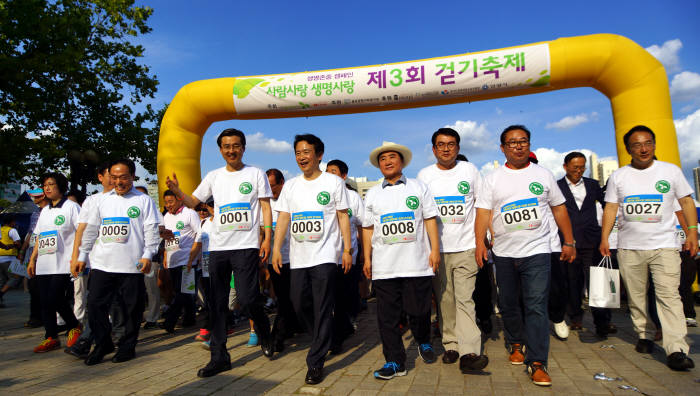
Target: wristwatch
x: 573, y: 244
x: 351, y: 251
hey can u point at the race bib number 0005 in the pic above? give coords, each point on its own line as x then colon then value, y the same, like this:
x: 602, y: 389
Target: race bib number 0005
x: 452, y: 209
x: 521, y: 215
x: 48, y: 242
x: 398, y: 227
x: 235, y: 217
x: 115, y: 230
x: 643, y: 208
x: 307, y: 226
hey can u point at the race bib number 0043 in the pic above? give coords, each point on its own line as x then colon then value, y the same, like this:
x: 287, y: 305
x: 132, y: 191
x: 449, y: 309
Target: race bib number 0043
x: 235, y: 217
x: 307, y: 226
x: 48, y: 242
x: 643, y: 208
x: 398, y: 227
x: 115, y: 230
x: 521, y: 215
x: 452, y: 209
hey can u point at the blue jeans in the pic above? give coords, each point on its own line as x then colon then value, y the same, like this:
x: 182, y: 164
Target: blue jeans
x: 527, y: 277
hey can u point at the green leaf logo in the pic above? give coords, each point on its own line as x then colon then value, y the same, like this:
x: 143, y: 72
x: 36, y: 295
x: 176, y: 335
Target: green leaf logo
x: 463, y: 187
x: 60, y: 219
x: 180, y: 225
x: 412, y: 202
x: 245, y: 188
x: 133, y: 212
x: 323, y: 198
x: 662, y: 186
x: 536, y: 188
x: 349, y: 212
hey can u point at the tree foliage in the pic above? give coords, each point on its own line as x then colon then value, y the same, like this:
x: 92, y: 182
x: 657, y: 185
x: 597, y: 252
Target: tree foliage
x: 71, y: 83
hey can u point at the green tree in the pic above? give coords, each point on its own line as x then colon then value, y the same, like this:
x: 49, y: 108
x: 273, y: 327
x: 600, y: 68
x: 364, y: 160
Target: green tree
x: 72, y: 87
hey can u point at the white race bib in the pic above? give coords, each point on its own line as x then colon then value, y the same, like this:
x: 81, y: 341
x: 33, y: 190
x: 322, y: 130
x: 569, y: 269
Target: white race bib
x: 173, y: 244
x: 32, y: 240
x: 187, y: 286
x: 521, y: 215
x: 205, y: 264
x: 234, y: 217
x: 644, y: 208
x: 680, y: 234
x: 48, y: 242
x: 452, y: 209
x: 307, y: 226
x: 115, y: 230
x: 398, y: 227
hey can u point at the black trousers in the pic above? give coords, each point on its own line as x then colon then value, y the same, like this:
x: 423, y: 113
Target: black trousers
x: 34, y: 299
x: 585, y: 258
x: 286, y: 323
x: 244, y: 265
x: 56, y: 294
x: 203, y: 285
x: 344, y: 296
x: 483, y: 293
x: 312, y: 296
x: 689, y: 268
x: 397, y: 295
x: 103, y: 290
x: 182, y: 301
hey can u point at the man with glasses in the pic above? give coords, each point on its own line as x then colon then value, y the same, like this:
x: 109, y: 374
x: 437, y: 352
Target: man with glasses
x: 454, y: 186
x: 519, y: 197
x: 647, y: 189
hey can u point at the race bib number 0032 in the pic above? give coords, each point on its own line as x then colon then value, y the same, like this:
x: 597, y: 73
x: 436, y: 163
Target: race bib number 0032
x: 48, y: 242
x: 521, y: 215
x: 643, y: 208
x: 452, y: 209
x: 235, y: 217
x: 115, y: 230
x: 398, y: 227
x: 307, y: 226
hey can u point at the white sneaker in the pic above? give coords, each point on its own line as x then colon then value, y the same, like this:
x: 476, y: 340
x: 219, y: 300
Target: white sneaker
x: 561, y: 329
x: 691, y: 322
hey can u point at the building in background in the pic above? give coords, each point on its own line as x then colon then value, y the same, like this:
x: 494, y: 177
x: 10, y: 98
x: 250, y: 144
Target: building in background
x: 593, y: 166
x: 605, y: 169
x: 696, y: 179
x: 363, y: 185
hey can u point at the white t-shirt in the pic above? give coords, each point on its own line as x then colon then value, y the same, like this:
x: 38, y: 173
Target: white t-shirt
x: 646, y: 197
x: 90, y: 203
x: 312, y: 206
x: 400, y: 244
x: 454, y: 191
x: 184, y: 225
x: 56, y: 231
x: 284, y: 249
x: 125, y: 223
x: 356, y: 212
x: 237, y: 211
x: 612, y: 239
x: 520, y: 200
x: 202, y: 237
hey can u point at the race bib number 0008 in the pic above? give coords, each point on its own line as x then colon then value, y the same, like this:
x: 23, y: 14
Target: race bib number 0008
x: 115, y: 230
x: 307, y: 226
x: 235, y: 217
x: 453, y: 209
x: 643, y: 208
x: 521, y: 215
x: 48, y: 242
x: 398, y: 227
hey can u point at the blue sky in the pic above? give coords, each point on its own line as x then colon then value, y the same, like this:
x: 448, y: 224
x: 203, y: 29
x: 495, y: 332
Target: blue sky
x: 210, y: 39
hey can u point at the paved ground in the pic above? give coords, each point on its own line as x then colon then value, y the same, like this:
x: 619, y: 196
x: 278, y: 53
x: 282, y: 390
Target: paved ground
x: 168, y: 364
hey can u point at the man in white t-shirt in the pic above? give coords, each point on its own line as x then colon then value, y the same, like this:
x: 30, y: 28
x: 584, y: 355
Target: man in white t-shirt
x: 455, y: 186
x: 646, y: 190
x: 518, y: 196
x: 347, y: 286
x: 241, y: 195
x: 314, y: 206
x: 126, y: 224
x: 9, y: 252
x: 402, y: 252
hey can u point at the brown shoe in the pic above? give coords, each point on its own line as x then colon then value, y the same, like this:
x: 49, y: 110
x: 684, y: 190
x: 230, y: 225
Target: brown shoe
x: 516, y: 354
x: 538, y: 374
x: 576, y: 326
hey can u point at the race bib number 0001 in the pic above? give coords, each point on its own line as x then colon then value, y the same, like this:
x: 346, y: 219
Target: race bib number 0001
x: 173, y: 245
x: 452, y: 209
x: 521, y: 215
x: 115, y: 230
x: 398, y: 227
x: 307, y: 226
x: 643, y: 208
x: 235, y: 217
x: 48, y: 242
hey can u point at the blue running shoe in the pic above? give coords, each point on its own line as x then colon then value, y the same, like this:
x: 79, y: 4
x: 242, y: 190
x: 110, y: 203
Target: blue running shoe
x: 253, y: 340
x: 426, y: 353
x: 390, y: 370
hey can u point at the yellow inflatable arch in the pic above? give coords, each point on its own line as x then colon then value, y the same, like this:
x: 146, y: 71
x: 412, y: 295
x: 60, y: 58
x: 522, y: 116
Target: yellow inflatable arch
x: 633, y: 80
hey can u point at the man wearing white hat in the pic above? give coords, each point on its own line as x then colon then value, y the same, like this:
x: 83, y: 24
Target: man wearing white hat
x: 402, y: 252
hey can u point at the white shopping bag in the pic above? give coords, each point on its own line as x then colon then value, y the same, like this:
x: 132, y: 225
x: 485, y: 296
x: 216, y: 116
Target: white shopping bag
x: 604, y: 286
x: 17, y: 268
x: 187, y: 285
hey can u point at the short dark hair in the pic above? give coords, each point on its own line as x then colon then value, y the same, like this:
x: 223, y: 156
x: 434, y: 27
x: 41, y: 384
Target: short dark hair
x: 310, y: 139
x: 142, y: 189
x: 79, y: 195
x: 59, y: 178
x: 445, y: 131
x: 102, y: 167
x: 169, y: 193
x: 124, y: 161
x: 638, y: 128
x: 462, y: 157
x: 572, y: 155
x: 279, y: 177
x: 342, y: 166
x: 231, y: 132
x: 512, y: 128
x: 7, y: 219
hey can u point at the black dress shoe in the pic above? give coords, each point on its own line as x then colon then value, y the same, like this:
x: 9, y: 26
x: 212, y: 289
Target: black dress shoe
x: 473, y: 362
x: 450, y: 357
x: 213, y: 368
x: 679, y: 361
x: 603, y: 331
x: 266, y: 346
x: 170, y: 329
x: 120, y: 356
x: 314, y: 375
x: 97, y: 354
x: 150, y: 325
x: 644, y: 346
x: 81, y: 349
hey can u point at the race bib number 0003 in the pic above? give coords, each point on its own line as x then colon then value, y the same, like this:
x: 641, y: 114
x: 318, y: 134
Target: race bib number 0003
x: 115, y: 230
x: 307, y: 226
x: 643, y: 208
x: 452, y: 209
x: 235, y: 217
x: 398, y: 227
x: 48, y: 242
x: 521, y: 215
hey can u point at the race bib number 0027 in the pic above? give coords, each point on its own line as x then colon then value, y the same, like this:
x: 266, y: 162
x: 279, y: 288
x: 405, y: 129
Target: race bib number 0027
x: 643, y: 208
x: 521, y: 215
x: 398, y: 227
x: 48, y: 242
x: 452, y: 209
x: 307, y: 226
x: 235, y: 217
x: 115, y: 230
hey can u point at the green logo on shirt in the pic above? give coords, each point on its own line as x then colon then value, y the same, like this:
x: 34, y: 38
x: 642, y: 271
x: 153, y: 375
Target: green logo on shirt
x: 245, y: 188
x: 323, y: 197
x: 412, y: 202
x: 60, y: 219
x: 536, y: 188
x: 349, y: 212
x: 463, y: 187
x: 133, y: 212
x: 180, y: 225
x: 662, y: 186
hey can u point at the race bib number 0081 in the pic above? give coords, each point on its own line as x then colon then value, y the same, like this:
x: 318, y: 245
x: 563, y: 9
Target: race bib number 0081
x: 643, y: 208
x: 521, y: 215
x: 115, y: 230
x: 307, y: 226
x: 452, y: 209
x: 235, y: 217
x: 48, y: 242
x: 398, y: 227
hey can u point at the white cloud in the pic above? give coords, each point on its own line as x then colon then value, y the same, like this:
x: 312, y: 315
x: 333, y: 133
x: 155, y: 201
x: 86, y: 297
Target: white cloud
x: 685, y: 86
x: 688, y: 132
x: 488, y: 168
x: 474, y: 137
x: 667, y: 54
x: 569, y: 122
x: 259, y: 142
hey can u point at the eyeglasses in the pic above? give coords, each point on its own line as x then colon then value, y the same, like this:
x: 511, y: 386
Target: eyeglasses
x: 647, y: 144
x: 516, y: 143
x: 578, y: 168
x: 121, y: 178
x: 235, y: 146
x: 443, y: 145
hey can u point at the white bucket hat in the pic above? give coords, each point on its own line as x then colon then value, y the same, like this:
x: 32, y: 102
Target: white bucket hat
x: 390, y: 146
